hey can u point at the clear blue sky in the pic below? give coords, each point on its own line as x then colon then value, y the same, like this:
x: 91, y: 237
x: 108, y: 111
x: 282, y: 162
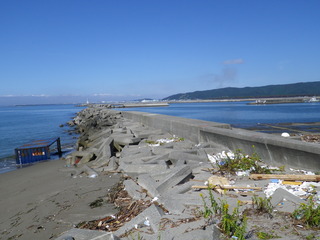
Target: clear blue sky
x: 129, y: 49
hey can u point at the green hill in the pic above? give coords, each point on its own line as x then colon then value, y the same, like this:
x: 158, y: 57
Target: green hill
x: 283, y: 90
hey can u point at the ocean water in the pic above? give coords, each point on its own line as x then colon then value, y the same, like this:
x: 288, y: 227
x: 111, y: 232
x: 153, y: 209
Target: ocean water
x: 240, y: 114
x: 22, y: 124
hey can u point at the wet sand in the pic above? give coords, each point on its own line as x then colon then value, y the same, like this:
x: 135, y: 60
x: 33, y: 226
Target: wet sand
x: 44, y: 200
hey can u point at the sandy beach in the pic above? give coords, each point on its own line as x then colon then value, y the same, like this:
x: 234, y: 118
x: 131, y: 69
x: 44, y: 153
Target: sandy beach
x: 44, y: 200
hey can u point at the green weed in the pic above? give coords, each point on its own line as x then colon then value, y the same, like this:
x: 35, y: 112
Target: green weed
x: 207, y: 211
x: 151, y: 142
x: 231, y: 224
x: 243, y: 162
x: 134, y: 237
x: 264, y: 235
x: 262, y: 205
x: 308, y: 214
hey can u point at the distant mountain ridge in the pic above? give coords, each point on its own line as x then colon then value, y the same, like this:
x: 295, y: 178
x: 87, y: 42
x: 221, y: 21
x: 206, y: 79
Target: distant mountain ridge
x: 281, y: 90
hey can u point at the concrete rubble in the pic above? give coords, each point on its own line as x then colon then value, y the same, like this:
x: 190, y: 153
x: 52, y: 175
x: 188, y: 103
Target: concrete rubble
x: 160, y: 168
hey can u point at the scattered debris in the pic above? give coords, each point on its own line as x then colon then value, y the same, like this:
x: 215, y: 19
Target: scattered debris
x: 311, y: 138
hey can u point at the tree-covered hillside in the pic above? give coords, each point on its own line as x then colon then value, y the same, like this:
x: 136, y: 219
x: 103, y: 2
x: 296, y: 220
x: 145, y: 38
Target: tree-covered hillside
x: 283, y: 90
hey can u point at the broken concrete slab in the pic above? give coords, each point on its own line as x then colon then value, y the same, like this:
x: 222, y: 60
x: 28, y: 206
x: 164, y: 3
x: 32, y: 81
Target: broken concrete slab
x: 177, y: 175
x: 87, y: 158
x: 99, y: 135
x: 106, y: 148
x: 134, y: 190
x: 285, y: 201
x: 157, y: 159
x: 141, y: 168
x: 160, y: 150
x: 181, y: 188
x: 190, y: 230
x: 136, y: 159
x: 85, y: 234
x: 178, y: 203
x: 139, y: 151
x: 141, y: 133
x: 125, y: 139
x: 148, y: 183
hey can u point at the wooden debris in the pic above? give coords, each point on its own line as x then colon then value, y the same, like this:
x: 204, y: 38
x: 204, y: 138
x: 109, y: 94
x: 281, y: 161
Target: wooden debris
x: 128, y: 209
x: 292, y: 177
x: 227, y: 187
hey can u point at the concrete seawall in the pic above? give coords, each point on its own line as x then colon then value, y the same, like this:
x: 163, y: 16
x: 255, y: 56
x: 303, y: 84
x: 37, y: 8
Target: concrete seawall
x: 273, y: 150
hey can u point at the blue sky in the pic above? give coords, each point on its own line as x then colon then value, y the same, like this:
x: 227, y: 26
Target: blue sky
x: 71, y: 50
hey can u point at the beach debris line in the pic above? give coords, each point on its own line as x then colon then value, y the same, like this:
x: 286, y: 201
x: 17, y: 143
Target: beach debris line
x: 127, y: 206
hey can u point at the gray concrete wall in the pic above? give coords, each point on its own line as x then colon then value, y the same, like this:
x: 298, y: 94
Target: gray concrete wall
x: 274, y: 150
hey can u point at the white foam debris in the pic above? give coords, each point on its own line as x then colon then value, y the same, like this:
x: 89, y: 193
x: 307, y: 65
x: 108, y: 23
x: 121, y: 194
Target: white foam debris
x: 155, y: 199
x: 302, y: 171
x: 305, y: 189
x: 243, y: 173
x: 93, y: 175
x: 146, y: 222
x: 163, y: 141
x: 221, y: 157
x: 285, y: 134
x: 272, y: 187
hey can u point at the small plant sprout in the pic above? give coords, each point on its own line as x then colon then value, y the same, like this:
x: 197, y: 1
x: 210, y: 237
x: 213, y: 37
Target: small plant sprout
x: 262, y: 205
x: 232, y: 225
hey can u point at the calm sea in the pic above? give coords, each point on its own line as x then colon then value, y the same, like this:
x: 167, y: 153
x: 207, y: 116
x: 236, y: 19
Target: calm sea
x: 22, y: 124
x: 240, y: 114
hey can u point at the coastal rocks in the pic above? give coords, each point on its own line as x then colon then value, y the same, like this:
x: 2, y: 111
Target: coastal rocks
x: 158, y: 166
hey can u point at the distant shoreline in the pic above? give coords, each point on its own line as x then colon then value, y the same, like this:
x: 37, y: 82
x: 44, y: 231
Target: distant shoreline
x: 275, y: 99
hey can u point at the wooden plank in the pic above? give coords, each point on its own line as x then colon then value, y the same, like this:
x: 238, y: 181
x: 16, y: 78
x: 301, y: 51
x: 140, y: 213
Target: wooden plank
x: 310, y: 178
x: 227, y: 187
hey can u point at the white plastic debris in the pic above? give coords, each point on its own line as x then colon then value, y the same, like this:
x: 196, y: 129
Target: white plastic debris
x: 163, y: 141
x: 302, y: 171
x: 272, y: 187
x: 305, y: 189
x: 93, y: 175
x: 146, y: 222
x: 285, y: 134
x: 243, y: 173
x: 220, y: 158
x: 154, y: 199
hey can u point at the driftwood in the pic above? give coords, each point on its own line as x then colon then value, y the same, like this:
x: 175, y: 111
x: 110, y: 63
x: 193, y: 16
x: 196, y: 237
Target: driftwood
x: 310, y: 178
x: 227, y: 187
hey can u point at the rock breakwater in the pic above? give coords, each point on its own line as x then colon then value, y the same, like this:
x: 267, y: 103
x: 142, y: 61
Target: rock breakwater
x: 157, y: 197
